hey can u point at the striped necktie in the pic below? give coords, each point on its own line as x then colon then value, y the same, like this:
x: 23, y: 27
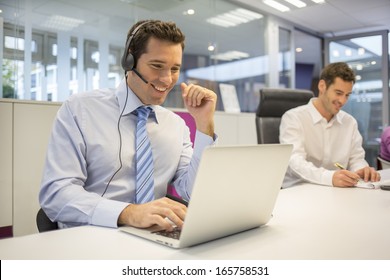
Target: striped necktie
x: 144, y: 159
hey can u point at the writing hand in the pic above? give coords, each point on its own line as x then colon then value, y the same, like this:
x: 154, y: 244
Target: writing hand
x: 345, y: 178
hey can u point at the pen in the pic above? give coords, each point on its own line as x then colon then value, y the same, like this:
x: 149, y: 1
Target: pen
x: 338, y: 165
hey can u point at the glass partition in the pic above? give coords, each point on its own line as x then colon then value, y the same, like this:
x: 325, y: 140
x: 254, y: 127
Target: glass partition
x: 74, y: 50
x: 366, y: 55
x: 285, y: 61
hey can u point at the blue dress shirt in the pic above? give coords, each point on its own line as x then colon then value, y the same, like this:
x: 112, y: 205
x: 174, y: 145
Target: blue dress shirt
x: 89, y: 143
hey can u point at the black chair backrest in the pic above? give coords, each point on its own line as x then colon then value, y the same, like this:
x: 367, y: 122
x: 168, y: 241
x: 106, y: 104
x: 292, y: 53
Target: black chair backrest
x: 274, y: 102
x: 44, y: 223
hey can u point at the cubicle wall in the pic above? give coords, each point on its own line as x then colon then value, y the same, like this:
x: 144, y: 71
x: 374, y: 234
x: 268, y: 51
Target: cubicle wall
x: 25, y: 129
x: 24, y: 133
x: 32, y: 126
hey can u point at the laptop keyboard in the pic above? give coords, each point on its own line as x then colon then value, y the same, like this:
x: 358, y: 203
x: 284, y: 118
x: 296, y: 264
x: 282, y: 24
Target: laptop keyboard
x: 175, y: 234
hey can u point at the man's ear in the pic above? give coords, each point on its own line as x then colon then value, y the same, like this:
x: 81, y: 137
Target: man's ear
x: 321, y: 86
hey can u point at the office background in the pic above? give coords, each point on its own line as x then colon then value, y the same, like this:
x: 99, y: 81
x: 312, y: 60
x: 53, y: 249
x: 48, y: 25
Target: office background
x: 73, y: 46
x: 52, y: 49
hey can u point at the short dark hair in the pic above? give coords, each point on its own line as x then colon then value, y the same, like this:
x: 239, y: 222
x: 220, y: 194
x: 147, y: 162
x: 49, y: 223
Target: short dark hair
x: 158, y: 29
x: 337, y: 70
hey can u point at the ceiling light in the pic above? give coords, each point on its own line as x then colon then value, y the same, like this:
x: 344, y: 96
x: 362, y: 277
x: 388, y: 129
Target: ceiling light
x: 276, y: 5
x: 373, y: 62
x: 335, y: 53
x: 297, y: 3
x: 220, y: 22
x: 62, y: 23
x: 246, y: 14
x: 230, y: 55
x: 348, y: 52
x: 298, y: 50
x: 211, y: 48
x: 359, y: 67
x: 234, y: 18
x: 189, y: 12
x: 318, y: 1
x: 358, y: 77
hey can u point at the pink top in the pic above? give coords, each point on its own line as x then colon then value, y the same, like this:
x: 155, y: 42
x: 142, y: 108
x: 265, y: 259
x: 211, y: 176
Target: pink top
x: 190, y: 122
x: 385, y: 144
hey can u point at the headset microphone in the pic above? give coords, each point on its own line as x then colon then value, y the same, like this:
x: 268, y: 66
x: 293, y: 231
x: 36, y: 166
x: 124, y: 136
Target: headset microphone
x: 139, y: 75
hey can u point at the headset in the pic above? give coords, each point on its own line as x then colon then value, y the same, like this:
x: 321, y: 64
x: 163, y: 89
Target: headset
x: 128, y: 61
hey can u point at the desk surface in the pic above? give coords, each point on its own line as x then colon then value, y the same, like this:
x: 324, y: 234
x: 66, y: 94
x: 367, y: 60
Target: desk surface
x: 310, y: 222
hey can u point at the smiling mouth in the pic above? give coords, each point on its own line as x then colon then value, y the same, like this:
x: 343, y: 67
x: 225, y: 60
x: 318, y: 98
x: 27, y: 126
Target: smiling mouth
x: 160, y: 89
x: 338, y: 106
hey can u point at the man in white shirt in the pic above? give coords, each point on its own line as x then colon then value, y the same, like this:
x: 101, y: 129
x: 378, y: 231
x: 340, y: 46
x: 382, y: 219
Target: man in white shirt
x: 323, y: 135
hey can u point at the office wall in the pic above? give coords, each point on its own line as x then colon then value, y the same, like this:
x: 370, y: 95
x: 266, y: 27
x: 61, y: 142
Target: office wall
x: 24, y: 133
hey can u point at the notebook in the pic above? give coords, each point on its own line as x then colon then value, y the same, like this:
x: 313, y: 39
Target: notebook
x: 385, y: 181
x: 235, y: 190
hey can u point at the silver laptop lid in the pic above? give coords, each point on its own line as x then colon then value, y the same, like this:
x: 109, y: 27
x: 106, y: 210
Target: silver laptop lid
x: 235, y: 189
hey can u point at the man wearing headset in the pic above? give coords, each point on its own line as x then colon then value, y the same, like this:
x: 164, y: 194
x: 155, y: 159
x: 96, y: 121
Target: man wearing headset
x: 89, y: 175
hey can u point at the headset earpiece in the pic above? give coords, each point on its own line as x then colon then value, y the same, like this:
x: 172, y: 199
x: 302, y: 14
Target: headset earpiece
x: 128, y: 58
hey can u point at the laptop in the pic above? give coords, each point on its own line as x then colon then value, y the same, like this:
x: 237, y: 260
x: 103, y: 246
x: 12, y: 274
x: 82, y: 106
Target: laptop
x: 235, y: 190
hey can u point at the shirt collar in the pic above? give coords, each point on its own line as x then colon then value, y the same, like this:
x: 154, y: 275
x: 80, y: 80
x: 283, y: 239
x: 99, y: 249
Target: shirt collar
x: 132, y: 102
x: 317, y: 117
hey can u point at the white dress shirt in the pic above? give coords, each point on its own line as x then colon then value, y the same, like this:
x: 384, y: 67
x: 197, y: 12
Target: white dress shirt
x: 319, y: 144
x: 90, y: 142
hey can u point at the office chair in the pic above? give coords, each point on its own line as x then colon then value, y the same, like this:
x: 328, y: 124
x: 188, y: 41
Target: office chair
x: 273, y: 103
x: 44, y: 223
x: 382, y: 163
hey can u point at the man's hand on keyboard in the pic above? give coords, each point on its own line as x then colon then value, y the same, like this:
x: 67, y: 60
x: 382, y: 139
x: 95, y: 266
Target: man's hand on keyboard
x: 154, y: 213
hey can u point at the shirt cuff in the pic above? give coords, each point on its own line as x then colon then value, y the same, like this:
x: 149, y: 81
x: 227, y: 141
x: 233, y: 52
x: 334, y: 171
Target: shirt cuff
x: 202, y: 141
x: 107, y: 212
x: 327, y: 177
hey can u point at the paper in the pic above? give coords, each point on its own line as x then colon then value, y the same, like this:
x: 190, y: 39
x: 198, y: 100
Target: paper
x: 372, y: 185
x: 367, y: 185
x: 229, y: 98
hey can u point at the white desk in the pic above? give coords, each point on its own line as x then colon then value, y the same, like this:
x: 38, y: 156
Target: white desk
x: 310, y: 222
